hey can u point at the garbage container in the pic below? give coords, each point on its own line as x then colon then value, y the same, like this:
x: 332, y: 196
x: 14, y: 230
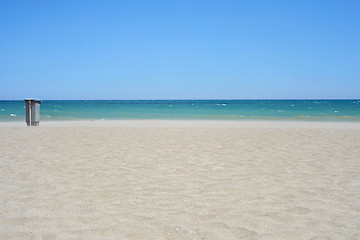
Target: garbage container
x: 32, y: 109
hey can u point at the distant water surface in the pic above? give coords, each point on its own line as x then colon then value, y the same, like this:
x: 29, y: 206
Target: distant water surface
x: 308, y: 110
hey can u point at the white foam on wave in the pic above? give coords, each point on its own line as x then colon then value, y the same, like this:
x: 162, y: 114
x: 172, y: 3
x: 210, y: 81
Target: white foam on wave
x: 12, y: 115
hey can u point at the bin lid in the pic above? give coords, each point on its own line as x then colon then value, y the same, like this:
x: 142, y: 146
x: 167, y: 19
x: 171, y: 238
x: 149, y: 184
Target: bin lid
x: 33, y: 99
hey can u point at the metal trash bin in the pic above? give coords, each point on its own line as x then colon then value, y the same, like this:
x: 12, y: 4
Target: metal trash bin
x: 32, y: 109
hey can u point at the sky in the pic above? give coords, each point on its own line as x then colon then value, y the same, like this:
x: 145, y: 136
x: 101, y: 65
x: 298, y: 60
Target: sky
x: 180, y: 49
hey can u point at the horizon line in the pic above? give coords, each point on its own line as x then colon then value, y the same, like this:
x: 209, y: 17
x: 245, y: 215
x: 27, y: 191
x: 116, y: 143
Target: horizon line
x: 189, y: 99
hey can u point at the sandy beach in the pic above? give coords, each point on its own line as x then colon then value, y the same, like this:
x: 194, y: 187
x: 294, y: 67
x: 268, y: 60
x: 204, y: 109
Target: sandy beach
x: 180, y: 180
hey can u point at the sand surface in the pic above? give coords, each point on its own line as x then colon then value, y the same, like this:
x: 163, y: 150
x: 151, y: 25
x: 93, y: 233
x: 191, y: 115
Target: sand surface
x: 180, y: 180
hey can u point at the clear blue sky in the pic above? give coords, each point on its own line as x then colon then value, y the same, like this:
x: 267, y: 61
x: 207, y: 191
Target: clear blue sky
x: 179, y: 49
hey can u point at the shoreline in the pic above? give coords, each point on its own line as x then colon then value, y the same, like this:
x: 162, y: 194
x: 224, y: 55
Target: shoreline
x: 190, y: 124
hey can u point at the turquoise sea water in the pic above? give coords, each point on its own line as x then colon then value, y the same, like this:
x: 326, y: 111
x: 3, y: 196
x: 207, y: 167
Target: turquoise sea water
x: 308, y: 110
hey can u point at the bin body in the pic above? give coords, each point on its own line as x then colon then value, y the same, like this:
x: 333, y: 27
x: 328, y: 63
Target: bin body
x: 32, y: 111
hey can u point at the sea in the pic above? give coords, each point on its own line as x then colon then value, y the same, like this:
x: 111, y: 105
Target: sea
x: 276, y: 110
